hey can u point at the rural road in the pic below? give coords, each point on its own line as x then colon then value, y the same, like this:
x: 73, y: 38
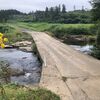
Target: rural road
x: 67, y: 72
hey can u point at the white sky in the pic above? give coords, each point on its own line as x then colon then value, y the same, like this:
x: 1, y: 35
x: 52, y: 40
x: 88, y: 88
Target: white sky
x: 32, y: 5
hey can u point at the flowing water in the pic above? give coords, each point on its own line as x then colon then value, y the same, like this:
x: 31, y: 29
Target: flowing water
x: 24, y: 62
x: 86, y: 49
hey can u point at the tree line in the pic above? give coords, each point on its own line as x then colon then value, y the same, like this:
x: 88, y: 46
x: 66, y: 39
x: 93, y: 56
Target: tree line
x: 57, y: 14
x: 7, y: 14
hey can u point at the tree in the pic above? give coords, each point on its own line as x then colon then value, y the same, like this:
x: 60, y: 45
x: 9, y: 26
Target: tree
x: 8, y: 14
x: 96, y: 9
x: 59, y: 8
x: 63, y: 8
x: 51, y: 12
x: 46, y: 14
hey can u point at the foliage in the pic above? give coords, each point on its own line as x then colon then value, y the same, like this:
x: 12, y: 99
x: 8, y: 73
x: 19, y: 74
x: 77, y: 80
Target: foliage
x: 4, y: 28
x: 63, y: 32
x: 50, y: 26
x: 96, y: 9
x: 13, y: 33
x: 96, y: 49
x: 7, y: 14
x: 56, y: 15
x: 96, y: 17
x: 86, y: 32
x: 2, y: 40
x: 16, y: 92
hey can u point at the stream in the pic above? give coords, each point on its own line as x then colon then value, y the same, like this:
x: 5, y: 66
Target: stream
x: 86, y: 49
x: 25, y: 63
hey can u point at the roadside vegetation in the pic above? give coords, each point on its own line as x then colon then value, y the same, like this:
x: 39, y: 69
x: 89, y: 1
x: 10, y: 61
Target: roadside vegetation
x: 17, y: 92
x: 86, y: 33
x: 13, y: 33
x: 96, y: 18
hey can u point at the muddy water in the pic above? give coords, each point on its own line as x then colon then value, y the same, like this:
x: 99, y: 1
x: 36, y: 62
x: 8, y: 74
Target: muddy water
x: 24, y: 62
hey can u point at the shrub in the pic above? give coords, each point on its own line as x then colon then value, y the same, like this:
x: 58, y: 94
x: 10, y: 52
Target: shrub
x: 77, y: 31
x: 96, y: 49
x: 5, y: 28
x: 60, y: 32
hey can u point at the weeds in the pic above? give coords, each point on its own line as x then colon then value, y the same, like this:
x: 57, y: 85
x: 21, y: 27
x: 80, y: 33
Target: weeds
x: 15, y: 92
x: 5, y: 71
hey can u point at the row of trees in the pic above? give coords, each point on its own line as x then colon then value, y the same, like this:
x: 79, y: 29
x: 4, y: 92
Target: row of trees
x: 7, y: 14
x: 58, y: 14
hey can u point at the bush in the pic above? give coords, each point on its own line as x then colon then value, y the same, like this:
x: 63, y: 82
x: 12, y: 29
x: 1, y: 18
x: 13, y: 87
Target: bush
x: 5, y: 28
x: 93, y: 29
x: 61, y: 32
x: 96, y: 52
x: 96, y: 49
x: 77, y: 31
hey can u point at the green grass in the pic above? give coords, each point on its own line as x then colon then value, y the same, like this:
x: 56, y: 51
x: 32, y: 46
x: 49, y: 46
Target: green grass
x: 13, y: 33
x: 47, y: 26
x: 16, y: 92
x: 60, y: 30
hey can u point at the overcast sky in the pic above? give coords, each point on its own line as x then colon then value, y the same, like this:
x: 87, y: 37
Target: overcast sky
x: 32, y: 5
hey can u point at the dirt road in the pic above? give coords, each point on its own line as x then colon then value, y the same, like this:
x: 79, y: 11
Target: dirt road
x: 67, y: 72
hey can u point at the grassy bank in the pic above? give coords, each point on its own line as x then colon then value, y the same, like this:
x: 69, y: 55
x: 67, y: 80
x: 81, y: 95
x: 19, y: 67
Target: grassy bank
x: 16, y: 92
x: 69, y: 33
x: 50, y: 26
x: 60, y: 30
x: 13, y: 33
x: 66, y: 32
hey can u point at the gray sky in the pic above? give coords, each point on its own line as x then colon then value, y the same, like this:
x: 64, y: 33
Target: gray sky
x: 32, y: 5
